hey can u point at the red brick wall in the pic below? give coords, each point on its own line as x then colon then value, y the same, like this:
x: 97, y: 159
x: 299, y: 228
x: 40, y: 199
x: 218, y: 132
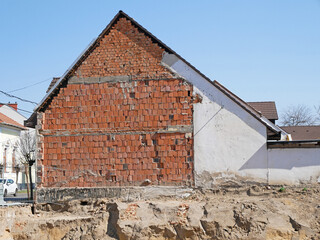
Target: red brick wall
x: 125, y: 51
x: 113, y: 134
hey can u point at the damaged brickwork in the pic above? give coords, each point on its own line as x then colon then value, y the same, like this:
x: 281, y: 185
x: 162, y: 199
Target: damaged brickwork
x: 121, y: 119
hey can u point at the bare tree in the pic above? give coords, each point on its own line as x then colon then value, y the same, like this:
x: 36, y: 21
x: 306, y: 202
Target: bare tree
x: 299, y: 115
x: 26, y: 149
x: 317, y: 108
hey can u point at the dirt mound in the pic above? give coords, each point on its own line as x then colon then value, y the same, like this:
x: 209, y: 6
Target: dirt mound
x: 254, y: 212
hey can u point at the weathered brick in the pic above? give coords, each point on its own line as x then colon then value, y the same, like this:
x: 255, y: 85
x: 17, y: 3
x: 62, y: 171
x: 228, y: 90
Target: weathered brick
x: 110, y: 133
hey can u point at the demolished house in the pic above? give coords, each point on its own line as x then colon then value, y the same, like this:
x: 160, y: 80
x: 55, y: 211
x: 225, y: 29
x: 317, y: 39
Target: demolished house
x: 130, y: 112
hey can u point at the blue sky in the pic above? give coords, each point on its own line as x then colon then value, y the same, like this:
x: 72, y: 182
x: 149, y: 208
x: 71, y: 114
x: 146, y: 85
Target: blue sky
x: 260, y: 50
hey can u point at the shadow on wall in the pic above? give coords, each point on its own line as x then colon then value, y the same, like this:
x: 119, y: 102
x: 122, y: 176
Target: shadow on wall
x: 257, y: 161
x: 284, y: 159
x: 288, y: 158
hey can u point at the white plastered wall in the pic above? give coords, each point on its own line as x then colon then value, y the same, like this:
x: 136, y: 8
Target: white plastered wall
x: 228, y: 141
x: 294, y: 165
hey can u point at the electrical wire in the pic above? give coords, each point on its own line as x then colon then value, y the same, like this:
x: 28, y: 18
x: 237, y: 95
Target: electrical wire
x: 49, y: 79
x: 19, y: 109
x: 24, y: 110
x: 21, y: 99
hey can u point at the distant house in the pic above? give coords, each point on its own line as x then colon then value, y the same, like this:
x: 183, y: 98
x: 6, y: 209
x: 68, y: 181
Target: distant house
x: 10, y: 131
x: 131, y: 111
x: 299, y: 133
x: 11, y: 111
x: 267, y: 109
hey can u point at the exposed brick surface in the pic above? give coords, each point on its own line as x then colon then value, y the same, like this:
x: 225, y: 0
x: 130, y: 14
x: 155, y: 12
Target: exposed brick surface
x: 116, y: 133
x: 125, y: 51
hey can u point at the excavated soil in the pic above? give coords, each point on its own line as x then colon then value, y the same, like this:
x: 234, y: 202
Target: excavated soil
x: 230, y: 212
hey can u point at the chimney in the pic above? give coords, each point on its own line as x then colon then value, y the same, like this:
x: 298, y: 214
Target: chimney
x: 13, y: 105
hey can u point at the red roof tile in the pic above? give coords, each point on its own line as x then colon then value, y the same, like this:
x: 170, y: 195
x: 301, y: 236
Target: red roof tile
x: 267, y: 109
x: 52, y: 83
x: 303, y: 132
x: 9, y: 121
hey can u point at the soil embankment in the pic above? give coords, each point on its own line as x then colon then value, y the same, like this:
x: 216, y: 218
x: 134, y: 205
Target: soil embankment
x: 230, y: 212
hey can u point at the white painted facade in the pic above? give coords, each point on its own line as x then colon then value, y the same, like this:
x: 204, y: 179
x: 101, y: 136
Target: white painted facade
x: 294, y: 165
x: 231, y: 143
x: 228, y: 141
x: 9, y: 153
x: 13, y: 114
x: 8, y: 144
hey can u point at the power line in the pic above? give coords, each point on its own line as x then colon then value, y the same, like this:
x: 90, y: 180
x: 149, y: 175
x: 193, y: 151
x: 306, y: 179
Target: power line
x: 21, y: 99
x: 30, y: 85
x: 24, y: 110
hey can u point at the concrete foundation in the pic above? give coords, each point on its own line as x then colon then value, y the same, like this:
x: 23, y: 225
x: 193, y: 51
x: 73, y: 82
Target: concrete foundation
x: 125, y: 193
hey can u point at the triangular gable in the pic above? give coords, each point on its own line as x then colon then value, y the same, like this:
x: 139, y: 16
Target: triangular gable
x: 90, y: 48
x: 168, y: 52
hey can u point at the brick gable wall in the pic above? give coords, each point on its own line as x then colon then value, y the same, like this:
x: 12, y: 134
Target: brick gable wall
x: 125, y: 51
x: 121, y: 119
